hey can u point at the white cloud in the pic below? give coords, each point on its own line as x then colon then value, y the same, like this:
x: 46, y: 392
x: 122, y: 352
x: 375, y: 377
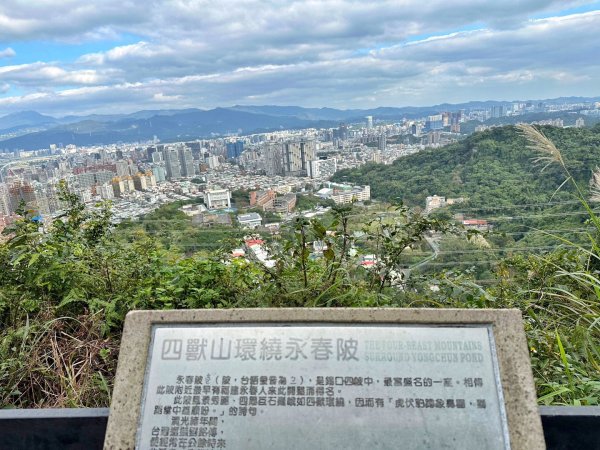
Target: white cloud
x: 7, y: 53
x: 43, y: 74
x: 68, y: 19
x: 344, y: 53
x: 160, y: 97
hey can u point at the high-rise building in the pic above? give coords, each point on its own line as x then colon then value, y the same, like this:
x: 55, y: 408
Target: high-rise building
x: 53, y: 196
x: 213, y: 161
x: 5, y: 208
x: 434, y: 122
x: 118, y: 187
x: 186, y: 162
x: 322, y: 168
x: 86, y: 180
x: 129, y: 185
x: 455, y: 120
x: 122, y: 168
x: 172, y: 163
x: 157, y: 157
x: 343, y: 132
x: 382, y: 142
x: 296, y: 156
x: 133, y: 168
x: 433, y: 137
x: 103, y: 177
x: 159, y: 173
x: 139, y: 182
x: 234, y: 149
x: 446, y: 119
x: 195, y: 147
x: 41, y: 199
x: 20, y: 191
x: 498, y: 111
x: 273, y: 159
x: 106, y: 191
x: 369, y: 122
x: 149, y: 152
x: 150, y: 178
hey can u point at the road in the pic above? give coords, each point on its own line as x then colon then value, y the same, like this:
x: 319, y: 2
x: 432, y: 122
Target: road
x: 432, y: 241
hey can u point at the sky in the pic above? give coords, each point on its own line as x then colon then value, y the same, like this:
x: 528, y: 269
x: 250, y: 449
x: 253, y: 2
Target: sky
x: 65, y: 57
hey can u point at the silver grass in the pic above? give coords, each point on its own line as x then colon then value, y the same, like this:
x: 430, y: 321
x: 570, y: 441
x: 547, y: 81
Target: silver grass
x: 595, y: 185
x: 542, y: 145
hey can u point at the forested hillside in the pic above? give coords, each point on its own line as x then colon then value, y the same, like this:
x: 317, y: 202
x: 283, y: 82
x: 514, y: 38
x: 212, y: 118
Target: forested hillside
x: 494, y: 167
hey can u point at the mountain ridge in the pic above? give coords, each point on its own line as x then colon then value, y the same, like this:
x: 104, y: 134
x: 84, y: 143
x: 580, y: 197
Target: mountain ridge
x: 177, y: 127
x: 30, y: 130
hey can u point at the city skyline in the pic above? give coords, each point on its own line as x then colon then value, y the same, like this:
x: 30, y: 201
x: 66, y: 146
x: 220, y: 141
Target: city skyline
x: 65, y: 57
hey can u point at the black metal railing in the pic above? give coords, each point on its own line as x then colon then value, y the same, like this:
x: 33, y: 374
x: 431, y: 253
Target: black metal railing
x: 565, y: 428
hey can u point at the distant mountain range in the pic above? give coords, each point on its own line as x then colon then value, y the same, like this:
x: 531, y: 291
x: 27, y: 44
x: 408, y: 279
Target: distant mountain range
x: 30, y: 130
x: 25, y: 132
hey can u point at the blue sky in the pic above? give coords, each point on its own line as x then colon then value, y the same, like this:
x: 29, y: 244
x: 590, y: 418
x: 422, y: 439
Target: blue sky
x: 48, y: 50
x: 103, y: 56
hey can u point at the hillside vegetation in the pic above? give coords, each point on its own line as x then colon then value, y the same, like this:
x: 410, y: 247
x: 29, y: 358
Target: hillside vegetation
x: 65, y: 290
x: 491, y: 168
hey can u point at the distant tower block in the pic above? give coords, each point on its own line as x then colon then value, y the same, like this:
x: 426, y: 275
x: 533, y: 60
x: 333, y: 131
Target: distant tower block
x: 382, y: 142
x: 369, y: 122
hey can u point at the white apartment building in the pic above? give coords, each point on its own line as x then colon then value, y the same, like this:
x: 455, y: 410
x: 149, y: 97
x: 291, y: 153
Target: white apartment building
x: 106, y: 191
x: 356, y: 194
x: 217, y: 198
x: 213, y: 161
x: 434, y: 202
x: 322, y: 168
x: 5, y: 208
x: 250, y: 220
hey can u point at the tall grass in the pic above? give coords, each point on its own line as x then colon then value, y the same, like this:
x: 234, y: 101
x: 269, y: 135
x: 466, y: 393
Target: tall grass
x: 568, y: 300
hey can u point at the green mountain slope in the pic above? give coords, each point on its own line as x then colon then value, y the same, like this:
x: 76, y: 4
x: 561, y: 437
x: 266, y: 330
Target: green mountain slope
x: 491, y: 168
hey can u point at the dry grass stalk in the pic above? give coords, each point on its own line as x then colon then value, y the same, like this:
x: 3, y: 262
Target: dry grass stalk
x: 63, y: 366
x: 542, y: 145
x: 595, y: 185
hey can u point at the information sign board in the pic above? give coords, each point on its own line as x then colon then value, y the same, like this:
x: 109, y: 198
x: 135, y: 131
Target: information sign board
x: 305, y: 384
x: 351, y: 387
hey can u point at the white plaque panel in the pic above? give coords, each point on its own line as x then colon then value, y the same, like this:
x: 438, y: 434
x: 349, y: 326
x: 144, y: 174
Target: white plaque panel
x: 314, y: 386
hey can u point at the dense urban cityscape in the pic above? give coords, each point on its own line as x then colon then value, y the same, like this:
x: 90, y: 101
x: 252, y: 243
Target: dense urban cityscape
x: 275, y: 166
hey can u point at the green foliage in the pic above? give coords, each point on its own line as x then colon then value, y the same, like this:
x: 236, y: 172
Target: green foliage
x: 306, y: 202
x: 493, y: 171
x: 66, y: 288
x: 392, y: 239
x: 55, y: 281
x: 176, y: 232
x: 558, y: 293
x: 240, y: 198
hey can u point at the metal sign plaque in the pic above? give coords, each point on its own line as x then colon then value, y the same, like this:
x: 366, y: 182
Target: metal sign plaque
x: 311, y: 386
